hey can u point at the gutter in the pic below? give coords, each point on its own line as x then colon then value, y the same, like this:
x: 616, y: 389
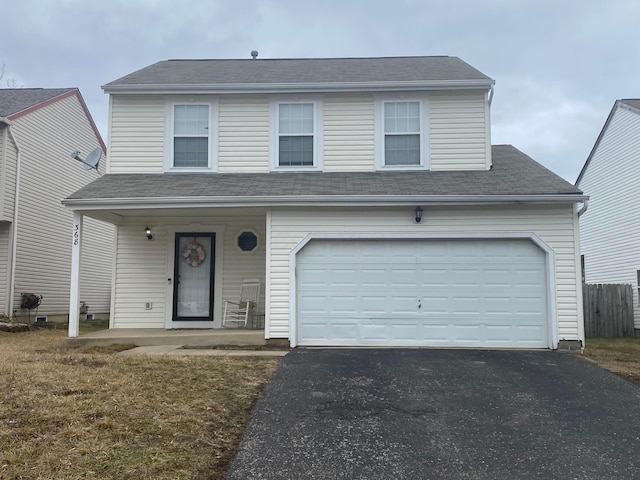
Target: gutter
x: 585, y: 206
x: 14, y: 232
x: 133, y: 203
x: 215, y: 88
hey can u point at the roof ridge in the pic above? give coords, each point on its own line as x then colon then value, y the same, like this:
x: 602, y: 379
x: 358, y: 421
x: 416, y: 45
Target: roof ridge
x: 302, y: 58
x: 36, y: 88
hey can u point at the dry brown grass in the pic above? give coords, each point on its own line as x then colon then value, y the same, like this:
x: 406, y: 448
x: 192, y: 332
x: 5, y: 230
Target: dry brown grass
x: 66, y: 414
x: 618, y: 355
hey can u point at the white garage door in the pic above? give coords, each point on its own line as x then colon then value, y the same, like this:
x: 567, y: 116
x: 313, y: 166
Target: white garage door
x: 459, y: 293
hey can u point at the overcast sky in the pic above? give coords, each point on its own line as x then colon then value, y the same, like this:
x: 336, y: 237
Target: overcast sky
x: 558, y: 65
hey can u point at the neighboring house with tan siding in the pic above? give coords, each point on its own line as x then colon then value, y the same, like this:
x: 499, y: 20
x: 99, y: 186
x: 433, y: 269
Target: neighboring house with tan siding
x: 39, y: 128
x: 363, y: 194
x: 610, y: 177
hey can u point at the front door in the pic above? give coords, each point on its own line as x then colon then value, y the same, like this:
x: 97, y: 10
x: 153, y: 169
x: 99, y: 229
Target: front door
x: 193, y: 277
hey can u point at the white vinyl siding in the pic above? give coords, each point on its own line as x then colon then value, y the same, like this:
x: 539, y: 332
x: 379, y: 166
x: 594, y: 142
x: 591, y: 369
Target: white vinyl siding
x: 140, y: 276
x: 244, y: 134
x: 137, y: 134
x: 8, y: 159
x: 141, y: 265
x: 456, y: 131
x: 5, y: 241
x: 348, y: 133
x: 608, y: 228
x: 553, y: 224
x: 459, y: 128
x: 43, y: 264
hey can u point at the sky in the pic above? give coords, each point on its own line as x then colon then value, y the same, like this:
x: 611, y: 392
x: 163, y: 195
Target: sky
x: 558, y: 65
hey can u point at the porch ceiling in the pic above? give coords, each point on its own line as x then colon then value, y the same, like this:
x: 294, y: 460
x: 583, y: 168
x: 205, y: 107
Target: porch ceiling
x: 122, y: 216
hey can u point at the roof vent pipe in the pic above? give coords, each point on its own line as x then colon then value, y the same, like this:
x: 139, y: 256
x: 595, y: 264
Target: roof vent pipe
x: 254, y: 54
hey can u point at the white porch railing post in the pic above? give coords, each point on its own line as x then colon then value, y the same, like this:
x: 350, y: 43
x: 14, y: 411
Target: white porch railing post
x: 74, y: 296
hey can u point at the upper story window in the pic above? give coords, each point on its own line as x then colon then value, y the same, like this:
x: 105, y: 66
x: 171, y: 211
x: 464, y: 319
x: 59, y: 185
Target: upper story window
x: 296, y: 131
x: 295, y: 134
x: 191, y: 137
x: 402, y: 137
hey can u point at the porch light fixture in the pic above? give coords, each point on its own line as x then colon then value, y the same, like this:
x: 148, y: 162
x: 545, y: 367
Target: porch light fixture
x: 147, y: 231
x: 418, y: 214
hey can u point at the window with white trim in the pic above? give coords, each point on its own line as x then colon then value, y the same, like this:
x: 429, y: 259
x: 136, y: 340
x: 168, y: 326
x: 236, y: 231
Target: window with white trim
x: 401, y: 133
x: 191, y: 136
x: 295, y: 133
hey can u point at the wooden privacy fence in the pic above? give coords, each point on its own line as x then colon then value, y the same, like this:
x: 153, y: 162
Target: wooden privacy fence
x: 608, y: 310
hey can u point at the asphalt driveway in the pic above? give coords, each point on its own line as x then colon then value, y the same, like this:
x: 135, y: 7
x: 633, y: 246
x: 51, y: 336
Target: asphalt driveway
x: 441, y: 414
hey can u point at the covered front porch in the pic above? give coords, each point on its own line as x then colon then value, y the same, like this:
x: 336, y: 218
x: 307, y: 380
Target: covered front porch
x: 174, y: 270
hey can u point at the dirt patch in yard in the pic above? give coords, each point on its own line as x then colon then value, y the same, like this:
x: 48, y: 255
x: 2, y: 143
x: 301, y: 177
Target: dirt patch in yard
x: 618, y: 355
x: 16, y: 327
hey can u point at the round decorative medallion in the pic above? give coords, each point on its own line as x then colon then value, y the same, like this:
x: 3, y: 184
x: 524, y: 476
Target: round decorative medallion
x: 193, y: 254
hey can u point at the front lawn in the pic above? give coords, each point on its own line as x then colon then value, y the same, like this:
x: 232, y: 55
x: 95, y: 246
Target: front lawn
x: 72, y: 414
x: 618, y: 355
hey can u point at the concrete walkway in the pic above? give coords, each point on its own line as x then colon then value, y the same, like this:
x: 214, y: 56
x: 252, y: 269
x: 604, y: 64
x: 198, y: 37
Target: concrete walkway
x: 177, y: 350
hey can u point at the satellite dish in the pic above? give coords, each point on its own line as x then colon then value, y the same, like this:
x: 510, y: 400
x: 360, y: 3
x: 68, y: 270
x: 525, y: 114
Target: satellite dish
x: 92, y: 161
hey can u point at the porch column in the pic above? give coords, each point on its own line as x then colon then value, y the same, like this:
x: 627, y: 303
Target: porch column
x: 74, y: 296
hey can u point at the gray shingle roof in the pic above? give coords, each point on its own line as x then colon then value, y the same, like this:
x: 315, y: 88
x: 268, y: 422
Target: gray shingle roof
x: 15, y: 100
x: 632, y: 102
x: 513, y: 173
x: 301, y: 70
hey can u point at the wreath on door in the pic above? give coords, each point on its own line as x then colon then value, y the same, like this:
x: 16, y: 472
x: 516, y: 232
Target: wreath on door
x: 193, y: 254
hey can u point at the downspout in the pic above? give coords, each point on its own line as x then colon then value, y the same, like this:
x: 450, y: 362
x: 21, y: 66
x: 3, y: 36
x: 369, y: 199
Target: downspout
x: 490, y: 95
x: 14, y: 236
x: 585, y: 206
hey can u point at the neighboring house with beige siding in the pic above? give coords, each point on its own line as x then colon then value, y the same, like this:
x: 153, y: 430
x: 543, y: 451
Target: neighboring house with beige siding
x: 610, y: 176
x: 363, y: 193
x: 39, y: 128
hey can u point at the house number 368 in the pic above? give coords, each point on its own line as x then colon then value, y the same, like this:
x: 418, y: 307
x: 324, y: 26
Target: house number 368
x: 76, y: 234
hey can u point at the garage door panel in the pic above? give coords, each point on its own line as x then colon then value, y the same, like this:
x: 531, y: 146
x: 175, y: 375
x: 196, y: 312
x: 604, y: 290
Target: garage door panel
x: 374, y: 277
x: 497, y: 277
x: 488, y: 293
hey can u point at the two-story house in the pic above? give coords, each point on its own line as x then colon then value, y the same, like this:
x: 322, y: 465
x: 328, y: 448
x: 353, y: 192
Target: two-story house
x: 609, y: 176
x: 363, y: 193
x: 39, y: 129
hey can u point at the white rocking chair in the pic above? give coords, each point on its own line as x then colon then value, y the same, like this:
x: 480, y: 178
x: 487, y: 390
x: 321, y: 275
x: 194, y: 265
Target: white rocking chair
x: 238, y: 312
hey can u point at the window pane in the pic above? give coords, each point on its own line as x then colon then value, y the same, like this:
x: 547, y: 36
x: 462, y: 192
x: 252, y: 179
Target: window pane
x: 296, y: 151
x: 191, y: 120
x: 402, y: 117
x: 191, y: 152
x: 402, y: 149
x: 295, y: 118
